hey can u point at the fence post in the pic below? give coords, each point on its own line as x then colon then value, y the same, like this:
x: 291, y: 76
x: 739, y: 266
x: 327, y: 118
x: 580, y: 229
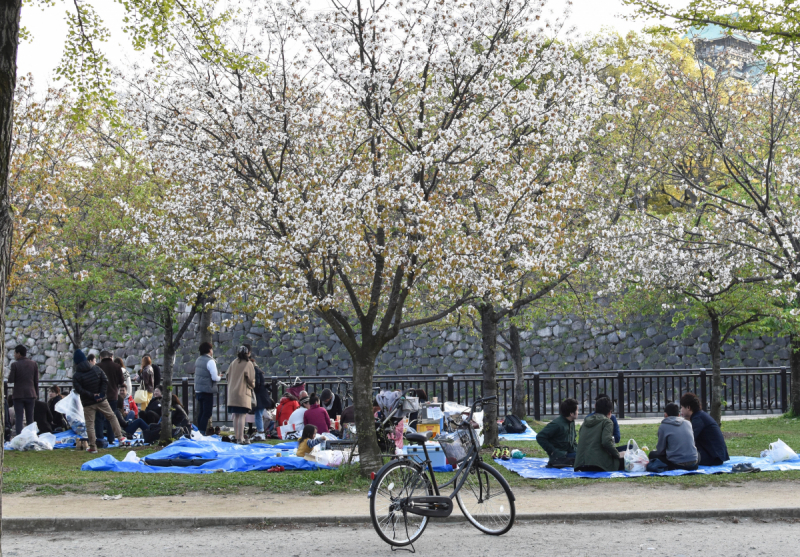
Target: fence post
x: 621, y: 389
x: 274, y: 389
x: 185, y: 387
x: 537, y: 410
x: 784, y: 393
x: 703, y: 392
x: 450, y: 388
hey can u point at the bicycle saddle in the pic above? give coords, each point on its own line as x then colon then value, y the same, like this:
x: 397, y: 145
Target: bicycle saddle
x: 419, y: 437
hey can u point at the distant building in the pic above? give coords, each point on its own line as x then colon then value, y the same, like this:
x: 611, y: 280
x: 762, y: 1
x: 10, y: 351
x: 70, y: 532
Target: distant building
x: 728, y: 52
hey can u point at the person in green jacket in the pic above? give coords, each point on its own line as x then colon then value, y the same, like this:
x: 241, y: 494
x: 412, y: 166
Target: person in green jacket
x: 558, y: 437
x: 596, y: 449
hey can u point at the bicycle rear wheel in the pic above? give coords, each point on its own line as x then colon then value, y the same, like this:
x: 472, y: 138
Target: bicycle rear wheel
x: 399, y: 480
x: 486, y: 500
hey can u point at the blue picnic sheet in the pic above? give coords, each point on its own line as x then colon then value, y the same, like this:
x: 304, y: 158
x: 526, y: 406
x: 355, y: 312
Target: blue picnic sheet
x: 241, y: 463
x: 529, y: 435
x: 188, y: 448
x: 535, y: 468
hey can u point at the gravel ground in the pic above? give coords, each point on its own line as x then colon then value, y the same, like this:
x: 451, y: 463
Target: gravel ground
x: 707, y: 538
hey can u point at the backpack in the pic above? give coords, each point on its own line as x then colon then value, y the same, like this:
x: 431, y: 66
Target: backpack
x: 512, y: 424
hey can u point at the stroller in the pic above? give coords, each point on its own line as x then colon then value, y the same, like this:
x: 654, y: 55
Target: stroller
x: 394, y: 407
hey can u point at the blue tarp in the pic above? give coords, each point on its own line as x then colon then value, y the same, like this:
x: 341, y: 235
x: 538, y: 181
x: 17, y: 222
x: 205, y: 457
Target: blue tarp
x: 534, y: 468
x: 242, y: 463
x: 187, y: 448
x: 529, y: 435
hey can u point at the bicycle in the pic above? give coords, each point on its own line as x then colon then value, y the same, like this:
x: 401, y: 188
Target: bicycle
x: 404, y: 493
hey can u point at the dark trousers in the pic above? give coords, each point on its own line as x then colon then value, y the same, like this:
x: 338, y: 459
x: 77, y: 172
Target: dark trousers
x: 133, y: 425
x: 205, y: 408
x: 23, y: 405
x: 673, y: 465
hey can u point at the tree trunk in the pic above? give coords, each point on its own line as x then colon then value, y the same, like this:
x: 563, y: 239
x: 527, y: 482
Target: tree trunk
x: 519, y: 410
x: 794, y: 360
x: 166, y: 379
x: 368, y: 450
x: 489, y: 368
x: 9, y: 41
x: 715, y: 344
x: 204, y: 322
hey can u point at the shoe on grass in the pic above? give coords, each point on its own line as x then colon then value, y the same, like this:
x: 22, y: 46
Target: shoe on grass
x: 91, y: 450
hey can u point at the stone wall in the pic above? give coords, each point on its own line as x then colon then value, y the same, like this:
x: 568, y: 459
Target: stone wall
x: 561, y: 344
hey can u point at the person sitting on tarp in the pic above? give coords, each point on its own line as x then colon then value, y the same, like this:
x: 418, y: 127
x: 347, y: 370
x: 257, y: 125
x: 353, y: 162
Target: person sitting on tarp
x: 675, y: 446
x: 617, y: 434
x: 331, y: 402
x: 296, y: 419
x: 597, y: 451
x: 308, y: 440
x: 126, y: 406
x: 316, y: 415
x: 708, y: 439
x: 286, y: 406
x: 558, y: 437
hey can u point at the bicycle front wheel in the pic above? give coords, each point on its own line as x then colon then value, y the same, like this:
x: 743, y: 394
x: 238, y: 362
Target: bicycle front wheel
x: 398, y: 481
x: 486, y: 500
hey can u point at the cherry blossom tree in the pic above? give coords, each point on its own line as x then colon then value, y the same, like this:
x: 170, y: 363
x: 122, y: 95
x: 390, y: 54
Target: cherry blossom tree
x: 381, y: 156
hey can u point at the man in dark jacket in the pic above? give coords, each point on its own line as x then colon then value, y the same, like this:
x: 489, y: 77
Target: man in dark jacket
x: 617, y: 434
x: 596, y: 449
x: 91, y: 384
x: 558, y: 437
x: 113, y: 373
x: 675, y: 446
x: 708, y: 439
x: 25, y: 377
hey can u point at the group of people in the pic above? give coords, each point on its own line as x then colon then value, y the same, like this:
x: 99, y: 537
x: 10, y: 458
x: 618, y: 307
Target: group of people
x: 687, y: 438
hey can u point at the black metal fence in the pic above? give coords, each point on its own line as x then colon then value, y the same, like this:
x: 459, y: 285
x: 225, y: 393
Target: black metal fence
x: 635, y: 393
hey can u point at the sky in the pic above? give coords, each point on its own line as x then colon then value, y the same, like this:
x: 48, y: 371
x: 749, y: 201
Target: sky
x: 42, y: 54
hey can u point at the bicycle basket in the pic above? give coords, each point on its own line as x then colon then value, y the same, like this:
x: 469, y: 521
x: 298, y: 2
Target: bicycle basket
x: 457, y: 446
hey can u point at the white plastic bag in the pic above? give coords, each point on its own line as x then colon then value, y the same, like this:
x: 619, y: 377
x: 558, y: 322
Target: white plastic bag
x: 636, y: 460
x: 131, y: 457
x: 27, y: 435
x: 72, y: 409
x: 28, y: 440
x: 333, y: 459
x: 778, y: 452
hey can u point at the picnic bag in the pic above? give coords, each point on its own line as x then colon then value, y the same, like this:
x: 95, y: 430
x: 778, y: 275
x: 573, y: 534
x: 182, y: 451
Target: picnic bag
x: 636, y: 460
x: 513, y: 424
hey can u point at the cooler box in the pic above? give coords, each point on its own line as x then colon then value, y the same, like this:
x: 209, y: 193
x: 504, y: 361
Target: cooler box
x: 434, y: 452
x: 424, y: 426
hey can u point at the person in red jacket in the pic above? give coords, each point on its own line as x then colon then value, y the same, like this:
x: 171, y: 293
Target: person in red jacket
x: 317, y: 415
x: 283, y: 411
x: 126, y: 406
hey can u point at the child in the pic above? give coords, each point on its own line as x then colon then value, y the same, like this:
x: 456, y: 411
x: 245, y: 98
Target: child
x: 308, y: 440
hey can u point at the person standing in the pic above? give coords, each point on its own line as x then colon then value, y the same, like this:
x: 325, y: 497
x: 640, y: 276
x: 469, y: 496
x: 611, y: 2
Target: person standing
x: 115, y: 378
x: 206, y: 378
x: 147, y: 378
x: 126, y: 376
x: 263, y: 401
x: 24, y: 376
x: 91, y: 384
x: 241, y: 382
x: 156, y: 371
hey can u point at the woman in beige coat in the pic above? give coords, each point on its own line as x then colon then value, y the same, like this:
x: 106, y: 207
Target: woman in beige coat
x: 241, y: 382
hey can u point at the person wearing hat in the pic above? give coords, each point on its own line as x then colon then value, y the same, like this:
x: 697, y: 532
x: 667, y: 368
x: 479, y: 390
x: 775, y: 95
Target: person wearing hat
x: 91, y: 384
x: 296, y: 419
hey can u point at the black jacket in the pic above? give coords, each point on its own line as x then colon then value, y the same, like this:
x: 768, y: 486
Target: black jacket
x: 89, y: 380
x: 156, y: 375
x: 58, y: 418
x: 708, y: 439
x: 43, y: 417
x: 263, y: 396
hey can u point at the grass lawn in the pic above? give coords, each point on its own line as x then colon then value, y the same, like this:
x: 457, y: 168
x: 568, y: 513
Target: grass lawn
x: 58, y: 472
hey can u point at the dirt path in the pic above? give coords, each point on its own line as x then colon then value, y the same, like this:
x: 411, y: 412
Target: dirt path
x: 743, y: 538
x: 593, y: 498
